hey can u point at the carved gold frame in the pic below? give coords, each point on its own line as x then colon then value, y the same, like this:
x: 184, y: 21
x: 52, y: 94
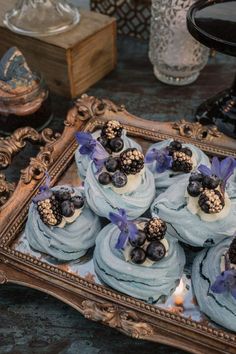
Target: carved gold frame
x: 95, y: 302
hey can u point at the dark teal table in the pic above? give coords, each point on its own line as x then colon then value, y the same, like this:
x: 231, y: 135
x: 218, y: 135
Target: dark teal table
x: 34, y: 323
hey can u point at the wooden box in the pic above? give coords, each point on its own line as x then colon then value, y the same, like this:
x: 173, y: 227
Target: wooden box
x: 70, y: 62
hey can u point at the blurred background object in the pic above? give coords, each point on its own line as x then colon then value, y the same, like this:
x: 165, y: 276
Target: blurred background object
x: 24, y: 96
x: 133, y: 16
x: 177, y: 57
x: 41, y: 17
x: 213, y: 23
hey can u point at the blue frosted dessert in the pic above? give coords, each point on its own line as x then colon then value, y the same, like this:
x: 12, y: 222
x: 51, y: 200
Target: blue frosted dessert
x: 139, y: 258
x: 201, y: 208
x: 170, y: 161
x: 61, y: 224
x: 214, y: 282
x: 120, y: 181
x: 112, y: 137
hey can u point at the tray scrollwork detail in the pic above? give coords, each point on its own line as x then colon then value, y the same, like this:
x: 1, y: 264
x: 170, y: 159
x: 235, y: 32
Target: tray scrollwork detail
x: 111, y: 315
x: 13, y: 144
x: 196, y: 130
x: 6, y: 189
x: 88, y: 107
x: 3, y: 278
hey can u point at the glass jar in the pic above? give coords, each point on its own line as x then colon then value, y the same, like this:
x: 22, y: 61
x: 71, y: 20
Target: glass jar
x: 28, y: 108
x: 41, y: 17
x: 177, y: 57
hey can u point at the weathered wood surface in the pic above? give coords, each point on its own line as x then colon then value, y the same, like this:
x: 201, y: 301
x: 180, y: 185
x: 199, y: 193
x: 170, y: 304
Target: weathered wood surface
x: 31, y: 322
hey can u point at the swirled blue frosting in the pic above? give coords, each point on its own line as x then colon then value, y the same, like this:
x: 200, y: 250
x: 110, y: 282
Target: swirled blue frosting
x: 65, y: 244
x: 82, y: 161
x: 221, y: 308
x: 169, y: 177
x: 151, y: 284
x: 103, y: 200
x: 171, y: 206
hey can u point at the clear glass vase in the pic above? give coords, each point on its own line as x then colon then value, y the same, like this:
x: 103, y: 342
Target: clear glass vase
x: 41, y: 17
x: 177, y: 57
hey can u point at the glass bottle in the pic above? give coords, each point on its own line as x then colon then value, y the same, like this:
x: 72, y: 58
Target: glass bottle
x: 41, y: 17
x: 31, y: 107
x: 177, y: 57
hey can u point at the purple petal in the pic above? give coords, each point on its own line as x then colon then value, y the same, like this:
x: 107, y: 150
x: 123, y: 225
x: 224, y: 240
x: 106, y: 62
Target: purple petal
x: 48, y: 180
x: 84, y: 138
x: 215, y: 166
x: 99, y: 152
x: 86, y: 149
x: 133, y: 230
x: 42, y: 196
x: 116, y: 219
x: 122, y: 239
x: 227, y: 167
x: 219, y: 286
x: 233, y: 291
x: 163, y: 162
x: 151, y: 155
x: 204, y: 170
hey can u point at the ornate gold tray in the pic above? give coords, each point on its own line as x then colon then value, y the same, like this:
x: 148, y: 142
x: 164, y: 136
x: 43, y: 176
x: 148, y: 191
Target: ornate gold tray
x: 75, y: 283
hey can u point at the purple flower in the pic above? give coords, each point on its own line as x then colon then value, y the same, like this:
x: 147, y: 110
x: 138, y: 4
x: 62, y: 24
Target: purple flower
x: 128, y: 228
x: 221, y: 169
x: 161, y: 157
x: 87, y: 143
x: 99, y: 156
x: 92, y: 148
x: 225, y: 282
x: 44, y: 191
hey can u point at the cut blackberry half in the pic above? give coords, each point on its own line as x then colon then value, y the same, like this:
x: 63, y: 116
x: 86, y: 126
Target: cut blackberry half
x: 50, y: 211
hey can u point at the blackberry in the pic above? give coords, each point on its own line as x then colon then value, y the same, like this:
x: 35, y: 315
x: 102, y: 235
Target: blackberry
x: 50, y: 211
x: 232, y: 252
x: 181, y: 162
x: 155, y: 229
x: 131, y: 161
x: 211, y: 201
x: 112, y: 129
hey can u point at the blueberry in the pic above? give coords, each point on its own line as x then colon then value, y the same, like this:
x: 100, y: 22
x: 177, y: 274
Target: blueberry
x: 78, y: 202
x: 155, y: 251
x: 194, y: 188
x: 119, y: 179
x: 116, y: 144
x: 62, y: 195
x: 139, y: 240
x: 196, y: 176
x: 187, y: 151
x: 175, y: 145
x: 103, y: 141
x: 67, y: 208
x: 138, y: 255
x: 112, y: 164
x: 104, y: 178
x: 210, y: 182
